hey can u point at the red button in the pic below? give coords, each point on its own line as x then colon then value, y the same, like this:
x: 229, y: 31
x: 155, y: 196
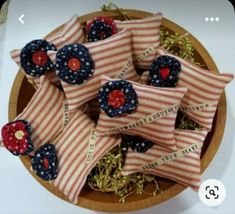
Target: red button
x: 116, y: 99
x: 39, y: 58
x: 164, y: 73
x: 74, y: 64
x: 45, y: 163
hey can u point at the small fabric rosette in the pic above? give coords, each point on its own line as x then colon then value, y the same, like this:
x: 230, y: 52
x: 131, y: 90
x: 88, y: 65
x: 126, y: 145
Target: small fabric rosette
x: 164, y: 71
x: 136, y: 143
x: 34, y: 59
x: 16, y: 137
x: 74, y: 64
x: 45, y: 162
x: 100, y: 28
x: 117, y: 97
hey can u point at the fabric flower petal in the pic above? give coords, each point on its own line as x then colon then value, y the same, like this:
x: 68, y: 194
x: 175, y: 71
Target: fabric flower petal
x: 17, y: 137
x: 45, y: 162
x: 74, y: 64
x: 100, y: 28
x: 164, y: 71
x: 117, y: 97
x: 137, y: 144
x: 34, y: 59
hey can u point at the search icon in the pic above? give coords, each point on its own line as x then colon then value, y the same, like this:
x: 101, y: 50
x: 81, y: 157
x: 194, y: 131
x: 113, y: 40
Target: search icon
x: 212, y: 192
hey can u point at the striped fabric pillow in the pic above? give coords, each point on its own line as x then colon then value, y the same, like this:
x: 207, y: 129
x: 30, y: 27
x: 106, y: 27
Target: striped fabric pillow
x: 204, y: 90
x: 145, y: 34
x: 154, y: 118
x: 111, y: 57
x: 71, y: 32
x: 78, y: 151
x: 45, y: 112
x: 184, y: 168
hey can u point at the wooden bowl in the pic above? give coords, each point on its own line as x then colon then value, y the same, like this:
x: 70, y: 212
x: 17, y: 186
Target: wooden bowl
x: 22, y: 92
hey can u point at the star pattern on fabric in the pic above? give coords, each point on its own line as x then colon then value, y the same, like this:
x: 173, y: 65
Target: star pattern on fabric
x: 164, y: 71
x: 74, y: 64
x: 117, y: 97
x: 34, y: 59
x: 100, y: 28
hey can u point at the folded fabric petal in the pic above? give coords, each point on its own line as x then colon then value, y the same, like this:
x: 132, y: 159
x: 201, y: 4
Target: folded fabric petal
x: 182, y: 166
x: 164, y: 71
x: 34, y: 59
x: 137, y: 144
x: 44, y: 162
x: 74, y: 64
x: 100, y: 28
x: 117, y: 97
x: 16, y: 137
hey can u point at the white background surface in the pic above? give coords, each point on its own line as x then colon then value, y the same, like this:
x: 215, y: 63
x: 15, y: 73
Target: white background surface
x: 20, y: 193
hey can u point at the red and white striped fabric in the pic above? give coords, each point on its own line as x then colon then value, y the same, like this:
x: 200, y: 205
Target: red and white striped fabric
x: 72, y: 148
x: 45, y: 113
x: 109, y: 56
x: 150, y: 100
x: 71, y: 32
x: 145, y: 33
x: 184, y: 170
x: 203, y: 87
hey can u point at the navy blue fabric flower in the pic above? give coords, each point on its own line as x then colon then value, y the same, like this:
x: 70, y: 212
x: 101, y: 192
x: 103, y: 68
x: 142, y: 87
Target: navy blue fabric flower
x: 34, y: 59
x: 45, y: 162
x: 164, y: 71
x: 137, y: 144
x: 74, y: 64
x: 101, y: 28
x: 117, y: 97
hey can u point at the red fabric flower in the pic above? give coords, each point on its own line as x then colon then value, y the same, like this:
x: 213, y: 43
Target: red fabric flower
x: 17, y: 137
x: 116, y: 98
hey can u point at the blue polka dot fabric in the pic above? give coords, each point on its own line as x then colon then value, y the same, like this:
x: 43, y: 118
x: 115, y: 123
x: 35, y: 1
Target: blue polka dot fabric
x: 164, y: 71
x: 44, y: 162
x: 127, y: 95
x: 82, y: 72
x: 26, y: 57
x: 100, y: 28
x: 136, y: 143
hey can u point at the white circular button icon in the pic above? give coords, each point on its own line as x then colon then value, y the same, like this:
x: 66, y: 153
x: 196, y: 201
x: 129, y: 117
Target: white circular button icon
x: 212, y: 192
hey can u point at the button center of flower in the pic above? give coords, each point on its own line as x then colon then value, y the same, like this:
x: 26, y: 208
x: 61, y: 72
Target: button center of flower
x: 116, y: 98
x: 74, y: 64
x: 19, y: 135
x: 45, y: 163
x: 165, y: 72
x: 39, y: 58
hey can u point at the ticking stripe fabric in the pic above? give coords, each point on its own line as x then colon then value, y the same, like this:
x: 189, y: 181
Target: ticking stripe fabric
x: 184, y: 170
x: 203, y: 87
x: 145, y: 33
x: 150, y: 100
x: 110, y: 56
x: 72, y: 147
x: 71, y: 32
x: 45, y: 113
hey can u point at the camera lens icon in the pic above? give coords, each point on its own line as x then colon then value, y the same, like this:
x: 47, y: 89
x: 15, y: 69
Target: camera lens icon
x: 212, y: 192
